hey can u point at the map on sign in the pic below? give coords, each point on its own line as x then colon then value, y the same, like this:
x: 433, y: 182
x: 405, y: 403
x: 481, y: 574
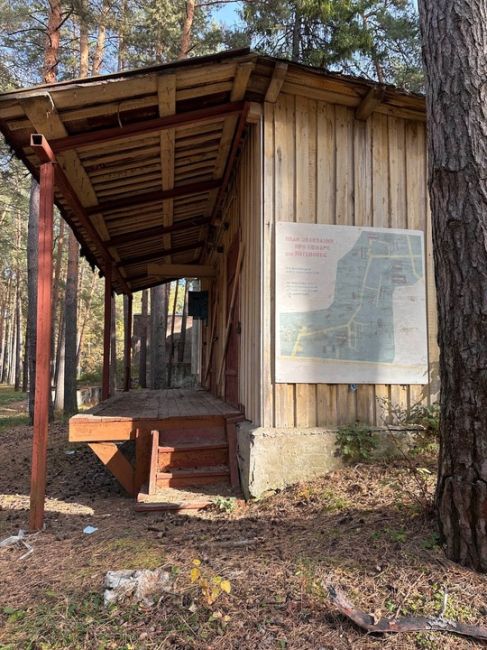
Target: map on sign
x: 350, y: 305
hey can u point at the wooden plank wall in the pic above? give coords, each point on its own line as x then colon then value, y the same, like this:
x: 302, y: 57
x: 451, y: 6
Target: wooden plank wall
x: 243, y: 212
x: 321, y: 165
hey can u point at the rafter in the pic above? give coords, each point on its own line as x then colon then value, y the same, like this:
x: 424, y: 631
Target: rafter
x: 165, y: 271
x: 157, y: 195
x: 163, y: 252
x: 166, y: 92
x: 373, y: 98
x: 147, y: 126
x: 158, y: 231
x: 275, y: 84
x: 45, y: 154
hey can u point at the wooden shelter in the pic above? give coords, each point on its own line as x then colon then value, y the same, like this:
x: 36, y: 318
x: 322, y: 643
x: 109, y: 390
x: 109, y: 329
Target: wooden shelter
x: 184, y: 170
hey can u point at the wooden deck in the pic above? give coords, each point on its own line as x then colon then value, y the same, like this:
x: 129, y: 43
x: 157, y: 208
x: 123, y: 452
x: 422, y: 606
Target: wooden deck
x: 119, y: 417
x: 192, y: 417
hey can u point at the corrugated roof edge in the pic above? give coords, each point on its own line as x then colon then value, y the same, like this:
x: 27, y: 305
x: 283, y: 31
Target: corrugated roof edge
x: 210, y: 59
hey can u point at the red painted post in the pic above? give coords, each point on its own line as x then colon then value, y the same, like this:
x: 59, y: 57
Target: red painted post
x: 105, y: 390
x: 128, y: 344
x: 43, y: 347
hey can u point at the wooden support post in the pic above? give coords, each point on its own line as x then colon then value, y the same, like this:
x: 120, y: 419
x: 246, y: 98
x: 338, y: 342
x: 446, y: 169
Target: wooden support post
x: 230, y: 313
x: 43, y: 347
x: 128, y: 344
x: 114, y: 460
x: 105, y: 390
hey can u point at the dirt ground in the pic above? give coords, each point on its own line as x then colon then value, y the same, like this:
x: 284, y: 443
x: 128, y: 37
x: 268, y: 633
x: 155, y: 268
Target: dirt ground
x: 363, y: 528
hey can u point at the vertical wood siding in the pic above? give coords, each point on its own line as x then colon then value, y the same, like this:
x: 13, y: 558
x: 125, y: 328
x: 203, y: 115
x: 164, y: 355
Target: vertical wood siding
x: 243, y: 213
x: 321, y: 165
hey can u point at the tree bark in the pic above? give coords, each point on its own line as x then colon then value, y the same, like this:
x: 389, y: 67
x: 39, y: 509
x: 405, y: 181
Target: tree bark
x: 53, y: 34
x: 172, y: 349
x: 56, y: 293
x: 158, y: 337
x: 113, y: 348
x: 122, y: 37
x: 86, y: 315
x: 32, y: 235
x: 143, y: 341
x: 184, y: 322
x: 84, y: 47
x: 70, y: 327
x: 100, y: 39
x: 187, y: 27
x: 25, y: 362
x: 455, y: 55
x: 59, y: 376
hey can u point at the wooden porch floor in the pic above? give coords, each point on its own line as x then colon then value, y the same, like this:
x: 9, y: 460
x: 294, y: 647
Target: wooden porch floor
x: 161, y: 404
x: 118, y: 417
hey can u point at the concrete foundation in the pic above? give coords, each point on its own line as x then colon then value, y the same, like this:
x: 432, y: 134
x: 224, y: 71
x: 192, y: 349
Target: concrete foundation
x: 272, y: 459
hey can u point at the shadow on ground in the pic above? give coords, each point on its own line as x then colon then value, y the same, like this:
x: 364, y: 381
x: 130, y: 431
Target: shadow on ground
x: 363, y: 528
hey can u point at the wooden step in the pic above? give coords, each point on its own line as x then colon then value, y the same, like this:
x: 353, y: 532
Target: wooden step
x: 188, y: 455
x: 191, y: 477
x: 202, y: 430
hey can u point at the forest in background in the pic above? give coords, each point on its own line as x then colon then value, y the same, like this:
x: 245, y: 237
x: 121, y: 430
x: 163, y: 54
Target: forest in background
x: 47, y: 41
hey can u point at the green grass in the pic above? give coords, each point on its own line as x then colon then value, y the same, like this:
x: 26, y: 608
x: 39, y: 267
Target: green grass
x: 13, y: 421
x: 9, y: 395
x: 11, y: 417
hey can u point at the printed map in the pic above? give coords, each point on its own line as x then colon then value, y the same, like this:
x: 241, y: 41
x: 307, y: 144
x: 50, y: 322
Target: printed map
x: 351, y: 305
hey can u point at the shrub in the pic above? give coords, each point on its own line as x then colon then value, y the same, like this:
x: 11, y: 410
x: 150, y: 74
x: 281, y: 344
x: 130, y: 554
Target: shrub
x: 356, y: 442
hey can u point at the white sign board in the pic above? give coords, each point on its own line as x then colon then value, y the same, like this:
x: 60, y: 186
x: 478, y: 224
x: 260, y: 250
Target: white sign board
x: 350, y: 305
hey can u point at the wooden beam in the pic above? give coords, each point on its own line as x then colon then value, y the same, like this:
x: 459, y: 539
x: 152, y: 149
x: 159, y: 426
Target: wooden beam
x: 43, y: 346
x: 114, y: 460
x: 181, y: 270
x: 107, y: 321
x: 158, y: 231
x: 45, y: 118
x: 237, y: 139
x: 275, y: 84
x: 226, y: 337
x: 164, y: 252
x: 44, y: 152
x: 157, y: 196
x: 128, y: 345
x: 238, y: 91
x: 166, y: 93
x: 370, y: 102
x: 112, y: 134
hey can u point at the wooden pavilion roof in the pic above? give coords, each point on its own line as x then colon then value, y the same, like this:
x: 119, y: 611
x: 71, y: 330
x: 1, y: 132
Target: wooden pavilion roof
x: 145, y: 156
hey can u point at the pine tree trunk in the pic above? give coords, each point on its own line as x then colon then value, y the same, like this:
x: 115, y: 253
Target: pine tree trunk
x: 143, y: 342
x: 86, y: 316
x: 122, y: 37
x: 113, y: 348
x: 25, y: 362
x: 455, y: 55
x: 59, y: 376
x: 70, y: 327
x: 32, y: 233
x: 101, y: 39
x: 187, y: 27
x: 18, y: 327
x: 296, y: 44
x: 53, y: 35
x: 84, y: 50
x: 184, y: 320
x: 56, y: 293
x: 158, y: 337
x: 173, y: 320
x: 5, y: 323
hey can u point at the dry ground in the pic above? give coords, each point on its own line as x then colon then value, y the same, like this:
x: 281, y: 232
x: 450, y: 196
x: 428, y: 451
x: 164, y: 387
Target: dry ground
x: 362, y: 528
